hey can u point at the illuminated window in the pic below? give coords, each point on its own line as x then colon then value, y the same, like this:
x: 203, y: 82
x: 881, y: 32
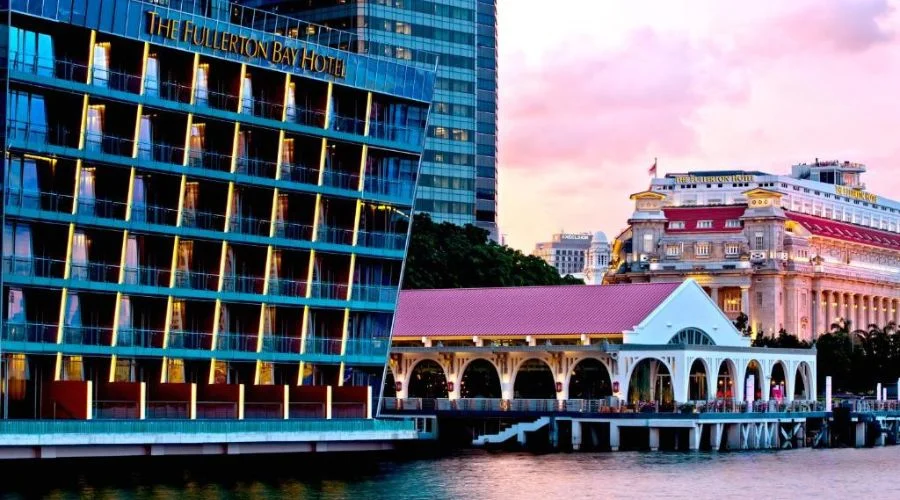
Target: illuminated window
x: 441, y: 133
x: 732, y: 302
x: 673, y: 250
x: 704, y: 224
x: 732, y: 249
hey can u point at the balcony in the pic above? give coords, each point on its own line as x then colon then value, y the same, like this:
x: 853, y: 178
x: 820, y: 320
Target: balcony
x: 256, y: 167
x: 341, y: 180
x: 29, y: 332
x: 146, y: 276
x: 293, y: 231
x: 413, y: 136
x: 93, y: 335
x: 161, y: 152
x: 34, y: 267
x: 293, y: 172
x: 203, y: 220
x: 320, y: 345
x: 235, y: 342
x: 185, y: 339
x: 195, y: 280
x: 402, y: 189
x: 380, y: 239
x: 287, y: 287
x: 281, y: 344
x: 243, y: 284
x: 348, y: 124
x: 139, y: 337
x: 375, y: 294
x: 331, y: 291
x: 98, y: 142
x: 249, y: 225
x: 334, y: 235
x: 377, y: 347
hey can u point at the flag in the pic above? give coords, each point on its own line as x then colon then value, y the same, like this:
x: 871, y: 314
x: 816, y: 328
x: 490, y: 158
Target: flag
x: 652, y: 170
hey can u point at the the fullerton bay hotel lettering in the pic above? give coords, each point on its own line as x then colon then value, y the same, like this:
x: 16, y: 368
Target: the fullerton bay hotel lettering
x: 713, y: 179
x: 856, y: 194
x: 272, y: 51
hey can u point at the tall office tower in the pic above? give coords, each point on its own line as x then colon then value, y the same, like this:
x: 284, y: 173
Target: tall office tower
x: 459, y: 168
x: 202, y: 219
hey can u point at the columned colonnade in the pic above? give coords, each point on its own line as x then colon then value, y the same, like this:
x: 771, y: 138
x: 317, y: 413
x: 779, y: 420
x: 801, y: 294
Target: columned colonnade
x: 861, y: 309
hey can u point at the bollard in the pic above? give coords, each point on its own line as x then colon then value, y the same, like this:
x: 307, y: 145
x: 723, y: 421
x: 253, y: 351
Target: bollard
x: 878, y: 392
x: 750, y: 392
x: 828, y: 392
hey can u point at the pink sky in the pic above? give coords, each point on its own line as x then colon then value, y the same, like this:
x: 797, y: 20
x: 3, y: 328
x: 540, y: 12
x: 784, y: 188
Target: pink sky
x: 592, y: 90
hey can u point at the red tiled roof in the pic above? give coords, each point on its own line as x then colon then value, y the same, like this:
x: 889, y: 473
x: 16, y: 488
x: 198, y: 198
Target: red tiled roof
x: 520, y: 311
x: 847, y: 232
x: 718, y: 215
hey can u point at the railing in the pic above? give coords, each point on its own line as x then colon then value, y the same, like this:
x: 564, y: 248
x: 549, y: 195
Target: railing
x: 348, y: 410
x: 36, y: 267
x: 256, y: 167
x: 318, y: 345
x: 333, y: 291
x: 161, y: 152
x: 366, y: 347
x: 193, y: 427
x: 146, y: 276
x: 249, y: 225
x: 209, y: 160
x: 243, y: 284
x: 343, y: 180
x: 180, y: 410
x: 293, y: 172
x: 87, y: 335
x: 347, y: 124
x: 287, y: 287
x: 381, y: 239
x: 375, y: 294
x: 215, y: 100
x: 203, y: 220
x: 98, y: 142
x: 389, y: 187
x: 195, y: 280
x: 29, y: 332
x: 306, y: 410
x: 306, y: 116
x: 109, y: 409
x: 265, y: 109
x: 139, y: 337
x: 217, y: 410
x: 604, y: 406
x: 263, y: 410
x: 173, y: 91
x: 39, y: 200
x: 335, y: 235
x: 235, y: 342
x: 94, y: 271
x: 183, y: 339
x: 40, y: 133
x: 153, y: 214
x: 293, y: 231
x: 388, y: 131
x: 281, y: 344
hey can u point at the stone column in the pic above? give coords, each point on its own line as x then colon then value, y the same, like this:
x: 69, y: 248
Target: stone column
x: 857, y: 310
x: 820, y: 323
x: 714, y: 295
x: 745, y: 300
x: 896, y: 313
x: 839, y: 310
x: 829, y: 312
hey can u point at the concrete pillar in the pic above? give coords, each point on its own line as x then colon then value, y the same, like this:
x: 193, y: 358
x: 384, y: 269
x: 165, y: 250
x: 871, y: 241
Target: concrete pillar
x: 745, y: 300
x: 715, y: 436
x: 506, y: 390
x: 860, y: 434
x: 654, y: 438
x: 818, y: 314
x: 733, y: 436
x: 554, y: 433
x: 828, y: 393
x: 614, y: 436
x: 839, y: 311
x: 714, y: 295
x: 576, y: 435
x: 829, y: 312
x: 694, y: 437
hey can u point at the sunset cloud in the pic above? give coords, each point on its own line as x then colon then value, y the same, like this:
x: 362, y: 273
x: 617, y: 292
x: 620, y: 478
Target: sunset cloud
x: 716, y: 85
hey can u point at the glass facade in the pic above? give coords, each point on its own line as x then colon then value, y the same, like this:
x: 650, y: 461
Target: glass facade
x: 206, y: 212
x: 459, y: 168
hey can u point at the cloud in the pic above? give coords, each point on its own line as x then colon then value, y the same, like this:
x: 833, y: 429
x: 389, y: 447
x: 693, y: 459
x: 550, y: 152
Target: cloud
x: 619, y: 105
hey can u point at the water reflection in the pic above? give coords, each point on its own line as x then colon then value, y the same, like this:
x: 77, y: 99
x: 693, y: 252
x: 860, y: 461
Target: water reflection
x: 847, y: 473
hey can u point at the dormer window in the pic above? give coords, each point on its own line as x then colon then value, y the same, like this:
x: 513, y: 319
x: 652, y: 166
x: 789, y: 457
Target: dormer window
x: 704, y: 224
x: 733, y: 223
x: 676, y: 224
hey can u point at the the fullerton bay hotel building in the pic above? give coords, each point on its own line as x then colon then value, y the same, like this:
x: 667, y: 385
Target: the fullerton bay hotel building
x: 794, y: 252
x: 205, y: 213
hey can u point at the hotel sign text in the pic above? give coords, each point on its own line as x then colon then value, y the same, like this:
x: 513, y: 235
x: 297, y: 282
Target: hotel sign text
x: 270, y: 51
x: 856, y: 194
x: 712, y: 179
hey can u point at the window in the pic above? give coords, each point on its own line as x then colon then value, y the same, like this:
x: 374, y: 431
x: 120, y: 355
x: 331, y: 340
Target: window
x: 759, y: 301
x: 732, y: 249
x: 704, y: 224
x: 673, y: 250
x: 732, y: 302
x: 733, y: 223
x: 759, y: 241
x: 676, y: 224
x: 648, y: 243
x: 702, y: 249
x: 691, y: 336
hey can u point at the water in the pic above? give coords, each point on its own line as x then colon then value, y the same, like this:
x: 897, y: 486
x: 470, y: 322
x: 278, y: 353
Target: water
x: 839, y: 473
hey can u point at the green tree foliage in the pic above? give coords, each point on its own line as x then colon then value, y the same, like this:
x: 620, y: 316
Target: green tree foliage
x: 858, y: 359
x: 449, y: 256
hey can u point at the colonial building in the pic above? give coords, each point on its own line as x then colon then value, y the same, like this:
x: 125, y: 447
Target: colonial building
x: 791, y: 252
x: 581, y: 255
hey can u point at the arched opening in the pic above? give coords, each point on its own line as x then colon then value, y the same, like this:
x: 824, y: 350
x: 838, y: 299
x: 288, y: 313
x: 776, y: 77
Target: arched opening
x: 534, y: 380
x: 427, y: 381
x: 697, y: 389
x: 778, y: 384
x: 725, y: 380
x: 590, y: 380
x: 754, y: 370
x: 389, y: 389
x: 650, y: 381
x: 480, y: 380
x: 691, y: 336
x: 801, y: 382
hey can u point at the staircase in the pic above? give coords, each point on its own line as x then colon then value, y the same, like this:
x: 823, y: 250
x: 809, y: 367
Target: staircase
x: 517, y: 430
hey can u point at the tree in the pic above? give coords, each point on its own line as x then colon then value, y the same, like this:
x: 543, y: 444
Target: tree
x: 742, y: 323
x: 449, y: 256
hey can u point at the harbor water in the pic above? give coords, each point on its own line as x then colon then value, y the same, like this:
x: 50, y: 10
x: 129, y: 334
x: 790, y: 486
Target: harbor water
x: 806, y: 473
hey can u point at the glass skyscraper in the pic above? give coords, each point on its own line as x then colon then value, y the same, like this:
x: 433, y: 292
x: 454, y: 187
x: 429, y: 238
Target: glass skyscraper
x: 459, y: 167
x: 205, y: 212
